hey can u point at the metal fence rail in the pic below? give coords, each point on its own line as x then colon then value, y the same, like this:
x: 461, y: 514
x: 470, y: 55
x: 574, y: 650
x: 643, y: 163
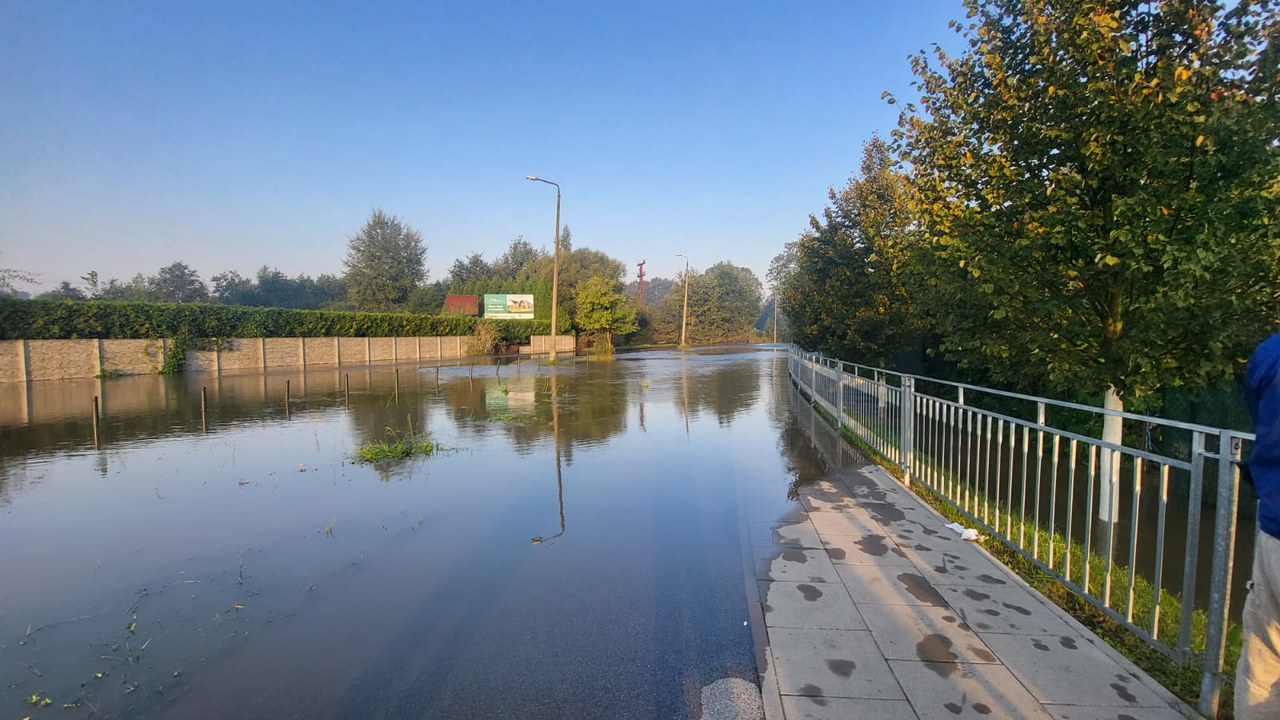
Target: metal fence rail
x: 1121, y: 524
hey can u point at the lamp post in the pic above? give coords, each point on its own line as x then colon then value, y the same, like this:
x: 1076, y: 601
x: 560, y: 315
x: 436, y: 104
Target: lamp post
x: 555, y: 264
x: 684, y: 316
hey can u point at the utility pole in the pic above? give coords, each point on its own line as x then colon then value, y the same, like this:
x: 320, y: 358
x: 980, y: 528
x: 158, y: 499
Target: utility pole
x: 641, y: 266
x: 684, y: 316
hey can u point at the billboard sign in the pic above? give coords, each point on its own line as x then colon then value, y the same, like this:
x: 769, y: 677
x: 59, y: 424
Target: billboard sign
x: 508, y: 307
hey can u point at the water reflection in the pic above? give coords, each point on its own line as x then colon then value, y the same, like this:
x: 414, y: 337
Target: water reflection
x: 253, y: 570
x: 555, y: 434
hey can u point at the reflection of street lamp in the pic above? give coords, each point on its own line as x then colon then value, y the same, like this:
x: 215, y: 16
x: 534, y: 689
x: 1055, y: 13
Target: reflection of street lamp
x: 555, y: 264
x: 555, y: 434
x: 684, y: 316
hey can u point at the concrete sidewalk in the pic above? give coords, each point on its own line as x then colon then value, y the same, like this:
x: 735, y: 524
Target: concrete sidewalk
x: 873, y: 609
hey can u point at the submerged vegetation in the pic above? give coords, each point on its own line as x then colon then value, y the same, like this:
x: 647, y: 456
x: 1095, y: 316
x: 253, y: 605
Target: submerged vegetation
x: 400, y: 446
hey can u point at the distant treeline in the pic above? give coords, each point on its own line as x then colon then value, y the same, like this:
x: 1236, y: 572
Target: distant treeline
x: 385, y: 279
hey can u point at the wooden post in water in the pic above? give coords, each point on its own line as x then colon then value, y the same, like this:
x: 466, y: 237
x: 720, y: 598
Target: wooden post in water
x: 287, y: 414
x: 437, y: 379
x: 397, y: 395
x: 346, y: 392
x: 96, y: 421
x: 204, y: 404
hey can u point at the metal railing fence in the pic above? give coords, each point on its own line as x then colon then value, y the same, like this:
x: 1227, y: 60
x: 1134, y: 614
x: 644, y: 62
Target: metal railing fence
x: 1121, y: 524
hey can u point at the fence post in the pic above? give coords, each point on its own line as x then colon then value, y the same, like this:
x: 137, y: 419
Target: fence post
x: 1195, y: 500
x: 839, y: 395
x: 1224, y: 553
x: 907, y: 439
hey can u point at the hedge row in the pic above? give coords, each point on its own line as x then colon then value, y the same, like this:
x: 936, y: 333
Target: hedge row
x: 70, y: 319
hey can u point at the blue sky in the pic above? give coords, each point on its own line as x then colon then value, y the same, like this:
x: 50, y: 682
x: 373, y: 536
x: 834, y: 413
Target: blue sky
x: 232, y: 135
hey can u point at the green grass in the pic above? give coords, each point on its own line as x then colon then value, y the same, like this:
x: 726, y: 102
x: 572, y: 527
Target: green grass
x: 400, y: 446
x: 1181, y: 679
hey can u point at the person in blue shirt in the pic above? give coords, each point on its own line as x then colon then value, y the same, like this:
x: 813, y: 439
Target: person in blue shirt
x: 1258, y: 674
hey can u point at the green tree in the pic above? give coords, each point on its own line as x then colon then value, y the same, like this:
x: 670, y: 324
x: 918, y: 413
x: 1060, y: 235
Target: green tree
x: 178, y: 283
x: 576, y: 266
x: 602, y: 309
x: 64, y: 291
x: 232, y: 288
x: 331, y: 291
x: 428, y: 299
x: 470, y: 269
x: 780, y: 276
x: 1098, y: 191
x: 384, y: 263
x: 841, y: 282
x: 724, y: 304
x: 138, y: 289
x: 655, y: 289
x: 519, y: 262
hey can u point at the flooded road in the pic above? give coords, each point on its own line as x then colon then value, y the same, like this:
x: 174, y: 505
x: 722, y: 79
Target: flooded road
x: 577, y: 549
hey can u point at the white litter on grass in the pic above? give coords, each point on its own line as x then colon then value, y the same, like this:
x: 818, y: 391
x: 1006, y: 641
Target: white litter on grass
x: 964, y: 532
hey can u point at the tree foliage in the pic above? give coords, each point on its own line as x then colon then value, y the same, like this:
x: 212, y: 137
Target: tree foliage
x: 469, y: 269
x: 603, y: 310
x: 841, y: 283
x: 724, y: 303
x: 655, y: 289
x: 177, y: 283
x: 272, y: 288
x: 779, y: 276
x: 384, y: 263
x: 64, y: 291
x: 519, y: 262
x: 576, y: 266
x: 1098, y: 189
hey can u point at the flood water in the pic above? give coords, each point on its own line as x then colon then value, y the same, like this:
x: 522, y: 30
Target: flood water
x: 578, y: 549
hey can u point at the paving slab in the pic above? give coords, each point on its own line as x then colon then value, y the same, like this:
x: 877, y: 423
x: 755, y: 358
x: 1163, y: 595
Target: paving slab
x: 1004, y: 609
x: 924, y: 632
x: 769, y: 693
x: 956, y: 564
x: 1080, y: 712
x: 955, y: 690
x: 827, y: 502
x: 809, y: 605
x: 831, y: 491
x: 846, y: 522
x: 864, y: 550
x: 1068, y: 669
x: 831, y: 663
x: 795, y: 565
x: 787, y: 535
x: 888, y: 584
x: 823, y: 708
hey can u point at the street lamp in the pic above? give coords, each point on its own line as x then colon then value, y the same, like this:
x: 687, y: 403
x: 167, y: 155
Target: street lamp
x: 684, y: 316
x: 555, y: 264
